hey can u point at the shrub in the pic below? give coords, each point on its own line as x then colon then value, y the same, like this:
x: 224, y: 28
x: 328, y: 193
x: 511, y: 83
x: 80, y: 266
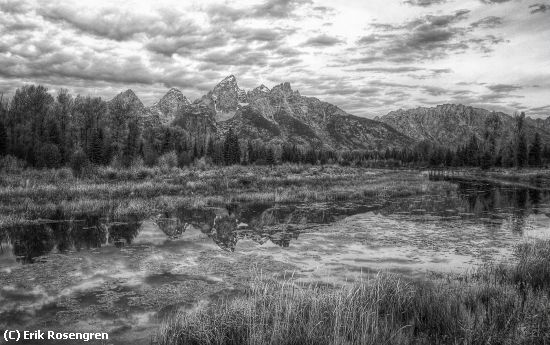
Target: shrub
x: 11, y: 164
x: 168, y: 160
x: 48, y: 156
x: 79, y: 162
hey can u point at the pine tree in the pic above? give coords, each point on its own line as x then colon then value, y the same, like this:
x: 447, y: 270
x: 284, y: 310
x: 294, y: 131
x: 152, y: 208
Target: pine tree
x: 270, y: 157
x: 231, y: 149
x: 210, y: 148
x: 486, y: 160
x: 508, y: 156
x: 521, y: 153
x: 535, y: 152
x: 250, y: 153
x: 227, y: 148
x: 131, y: 146
x: 167, y: 145
x: 96, y: 147
x: 3, y: 140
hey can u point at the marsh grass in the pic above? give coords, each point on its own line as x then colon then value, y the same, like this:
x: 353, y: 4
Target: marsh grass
x: 506, y: 303
x: 38, y: 194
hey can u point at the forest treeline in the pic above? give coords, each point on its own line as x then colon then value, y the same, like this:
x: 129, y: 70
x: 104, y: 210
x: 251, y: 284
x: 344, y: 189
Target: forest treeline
x: 48, y: 131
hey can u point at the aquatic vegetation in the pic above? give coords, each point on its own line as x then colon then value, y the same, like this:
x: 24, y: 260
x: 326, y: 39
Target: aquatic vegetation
x: 35, y: 194
x: 505, y: 303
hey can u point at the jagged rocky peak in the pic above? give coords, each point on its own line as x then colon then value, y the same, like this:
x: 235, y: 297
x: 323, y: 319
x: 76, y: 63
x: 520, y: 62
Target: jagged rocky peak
x: 128, y: 96
x: 129, y: 99
x: 258, y: 92
x: 167, y: 107
x: 284, y: 89
x: 262, y: 88
x: 225, y: 98
x: 174, y: 96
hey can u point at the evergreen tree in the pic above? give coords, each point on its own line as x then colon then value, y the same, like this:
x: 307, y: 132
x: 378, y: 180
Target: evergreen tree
x: 270, y: 157
x: 195, y: 150
x: 250, y: 153
x: 210, y: 148
x: 486, y: 160
x: 231, y: 149
x: 521, y: 153
x: 131, y: 146
x: 3, y: 140
x: 96, y: 151
x: 508, y: 156
x: 167, y: 144
x: 535, y: 152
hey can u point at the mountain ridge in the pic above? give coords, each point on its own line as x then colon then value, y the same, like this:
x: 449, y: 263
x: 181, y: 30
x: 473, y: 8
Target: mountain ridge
x: 282, y: 115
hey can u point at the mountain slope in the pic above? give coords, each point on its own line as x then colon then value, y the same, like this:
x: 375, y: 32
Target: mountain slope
x: 167, y: 107
x: 126, y: 106
x: 282, y: 115
x: 453, y: 125
x: 225, y: 98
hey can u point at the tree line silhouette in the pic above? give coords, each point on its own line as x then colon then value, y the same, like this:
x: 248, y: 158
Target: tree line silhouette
x: 49, y: 131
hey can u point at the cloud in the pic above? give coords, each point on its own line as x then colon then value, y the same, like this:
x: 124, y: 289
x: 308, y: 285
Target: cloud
x: 539, y: 8
x: 487, y: 22
x: 504, y: 88
x: 426, y: 38
x: 388, y: 69
x: 494, y: 1
x: 190, y: 45
x: 424, y: 3
x: 323, y: 41
x: 277, y: 8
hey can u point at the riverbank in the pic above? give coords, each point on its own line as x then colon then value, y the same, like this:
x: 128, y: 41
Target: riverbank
x: 29, y: 195
x: 533, y: 178
x: 502, y: 303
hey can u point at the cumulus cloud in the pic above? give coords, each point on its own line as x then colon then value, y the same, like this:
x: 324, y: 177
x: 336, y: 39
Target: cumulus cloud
x: 487, y: 22
x: 504, y: 88
x: 494, y: 1
x: 322, y: 41
x: 539, y: 8
x: 384, y: 59
x: 426, y: 37
x: 424, y: 3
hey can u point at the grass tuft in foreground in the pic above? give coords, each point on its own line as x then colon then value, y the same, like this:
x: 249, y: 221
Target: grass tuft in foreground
x: 506, y: 303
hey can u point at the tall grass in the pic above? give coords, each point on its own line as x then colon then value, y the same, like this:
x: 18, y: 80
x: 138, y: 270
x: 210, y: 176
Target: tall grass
x: 506, y: 303
x: 34, y: 194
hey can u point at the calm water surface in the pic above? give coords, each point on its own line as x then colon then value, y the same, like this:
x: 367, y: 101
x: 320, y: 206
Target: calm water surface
x: 122, y: 276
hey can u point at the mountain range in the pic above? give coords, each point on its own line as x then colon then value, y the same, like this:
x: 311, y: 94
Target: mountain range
x: 282, y: 115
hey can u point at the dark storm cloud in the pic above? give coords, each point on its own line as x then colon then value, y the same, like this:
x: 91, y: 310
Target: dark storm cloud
x: 424, y: 3
x: 323, y: 41
x: 539, y: 8
x: 487, y: 22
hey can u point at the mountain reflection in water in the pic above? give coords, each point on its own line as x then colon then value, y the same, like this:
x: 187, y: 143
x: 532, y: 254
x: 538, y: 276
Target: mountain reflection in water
x: 278, y: 223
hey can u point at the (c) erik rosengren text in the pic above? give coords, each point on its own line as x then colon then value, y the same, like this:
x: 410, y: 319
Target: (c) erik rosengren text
x: 16, y: 335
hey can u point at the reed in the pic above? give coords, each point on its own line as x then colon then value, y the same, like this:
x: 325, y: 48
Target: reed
x: 505, y: 303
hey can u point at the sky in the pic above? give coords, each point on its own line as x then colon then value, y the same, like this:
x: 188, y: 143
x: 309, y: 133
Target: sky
x: 367, y: 57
